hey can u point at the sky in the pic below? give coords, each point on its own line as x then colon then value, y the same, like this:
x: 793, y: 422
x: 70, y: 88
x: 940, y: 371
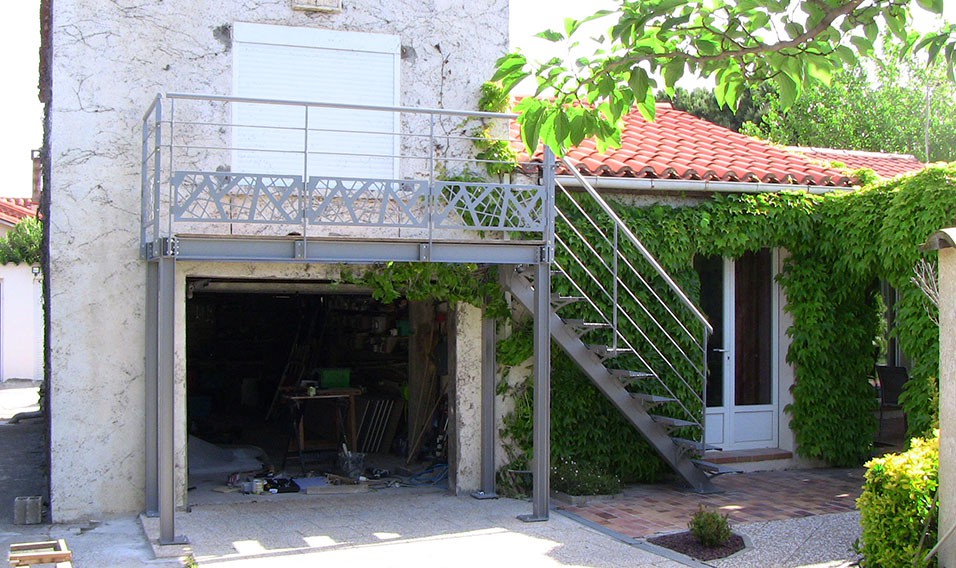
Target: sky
x: 23, y: 113
x: 21, y: 110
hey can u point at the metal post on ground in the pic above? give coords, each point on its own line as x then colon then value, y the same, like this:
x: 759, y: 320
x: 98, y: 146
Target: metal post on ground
x: 166, y: 410
x: 541, y: 466
x: 152, y: 398
x: 488, y: 368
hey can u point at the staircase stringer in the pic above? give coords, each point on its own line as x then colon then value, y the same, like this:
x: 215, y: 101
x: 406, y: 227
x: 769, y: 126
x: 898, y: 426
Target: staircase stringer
x: 656, y: 434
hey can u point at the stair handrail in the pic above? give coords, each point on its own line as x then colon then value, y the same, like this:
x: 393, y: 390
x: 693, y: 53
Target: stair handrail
x: 586, y: 185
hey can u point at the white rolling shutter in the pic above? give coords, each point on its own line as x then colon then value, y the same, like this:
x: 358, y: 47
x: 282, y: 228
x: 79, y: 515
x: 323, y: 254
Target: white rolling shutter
x: 306, y: 64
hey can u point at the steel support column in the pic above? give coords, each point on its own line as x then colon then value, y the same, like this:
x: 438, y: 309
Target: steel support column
x: 152, y: 394
x: 541, y: 466
x: 166, y: 409
x: 488, y: 368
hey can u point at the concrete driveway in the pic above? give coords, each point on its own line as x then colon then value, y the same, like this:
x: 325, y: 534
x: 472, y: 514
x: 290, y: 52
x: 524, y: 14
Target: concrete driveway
x: 393, y: 528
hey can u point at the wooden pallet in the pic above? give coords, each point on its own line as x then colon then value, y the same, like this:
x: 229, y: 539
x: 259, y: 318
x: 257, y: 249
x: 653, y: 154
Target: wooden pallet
x: 47, y: 552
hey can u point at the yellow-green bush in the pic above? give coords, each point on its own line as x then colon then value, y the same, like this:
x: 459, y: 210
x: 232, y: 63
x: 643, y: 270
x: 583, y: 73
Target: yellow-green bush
x: 896, y: 504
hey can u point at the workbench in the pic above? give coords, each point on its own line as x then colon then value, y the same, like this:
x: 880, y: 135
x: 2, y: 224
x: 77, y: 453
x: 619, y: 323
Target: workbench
x: 302, y: 404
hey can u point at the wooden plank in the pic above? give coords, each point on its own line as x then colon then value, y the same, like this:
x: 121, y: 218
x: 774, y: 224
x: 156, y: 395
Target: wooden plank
x: 45, y: 552
x: 51, y: 544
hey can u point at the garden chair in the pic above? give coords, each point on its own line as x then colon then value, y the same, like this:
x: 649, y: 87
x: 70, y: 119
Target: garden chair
x: 891, y: 380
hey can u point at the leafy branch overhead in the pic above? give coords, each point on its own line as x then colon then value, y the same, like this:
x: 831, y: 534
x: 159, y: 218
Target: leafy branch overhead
x: 792, y: 43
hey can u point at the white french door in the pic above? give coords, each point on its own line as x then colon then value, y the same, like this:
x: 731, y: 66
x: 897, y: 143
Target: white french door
x: 739, y: 297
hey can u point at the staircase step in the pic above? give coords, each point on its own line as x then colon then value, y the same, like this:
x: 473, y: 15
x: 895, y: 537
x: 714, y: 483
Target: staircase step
x: 581, y: 327
x: 627, y: 376
x: 672, y: 422
x: 605, y: 352
x: 694, y: 445
x: 651, y: 399
x: 713, y: 469
x: 558, y: 301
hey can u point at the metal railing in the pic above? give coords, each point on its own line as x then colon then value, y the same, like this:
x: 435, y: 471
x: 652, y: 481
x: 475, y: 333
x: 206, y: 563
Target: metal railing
x: 224, y: 166
x: 652, y: 323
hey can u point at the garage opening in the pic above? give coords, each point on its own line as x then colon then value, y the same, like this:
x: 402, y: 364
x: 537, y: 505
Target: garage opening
x: 313, y: 382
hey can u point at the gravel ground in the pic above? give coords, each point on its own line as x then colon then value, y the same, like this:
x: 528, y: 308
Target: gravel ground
x: 817, y: 541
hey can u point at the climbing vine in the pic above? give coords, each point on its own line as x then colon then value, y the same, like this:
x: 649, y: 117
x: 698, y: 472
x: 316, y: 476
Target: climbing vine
x: 840, y: 246
x: 432, y: 281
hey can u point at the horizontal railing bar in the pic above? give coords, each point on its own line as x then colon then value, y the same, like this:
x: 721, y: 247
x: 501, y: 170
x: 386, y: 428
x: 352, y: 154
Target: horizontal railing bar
x: 317, y: 104
x: 187, y: 147
x: 400, y: 134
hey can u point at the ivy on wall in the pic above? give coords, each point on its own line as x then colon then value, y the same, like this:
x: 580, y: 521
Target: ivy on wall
x: 841, y: 245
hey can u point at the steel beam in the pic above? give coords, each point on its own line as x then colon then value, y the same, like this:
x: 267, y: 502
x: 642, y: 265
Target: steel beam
x: 541, y: 466
x: 244, y: 249
x: 488, y: 369
x: 152, y: 394
x: 166, y: 310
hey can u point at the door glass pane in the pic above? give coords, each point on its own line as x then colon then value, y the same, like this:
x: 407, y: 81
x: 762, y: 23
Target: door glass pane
x: 753, y: 276
x: 711, y: 272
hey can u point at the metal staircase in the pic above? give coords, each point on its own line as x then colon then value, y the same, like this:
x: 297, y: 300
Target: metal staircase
x: 629, y: 327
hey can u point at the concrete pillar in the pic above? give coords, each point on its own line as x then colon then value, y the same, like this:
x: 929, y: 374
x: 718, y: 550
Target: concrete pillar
x: 944, y: 241
x: 947, y: 400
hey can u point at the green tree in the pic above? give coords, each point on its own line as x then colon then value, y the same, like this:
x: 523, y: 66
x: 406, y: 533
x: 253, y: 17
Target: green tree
x: 883, y: 110
x: 791, y: 43
x: 702, y: 103
x: 22, y: 244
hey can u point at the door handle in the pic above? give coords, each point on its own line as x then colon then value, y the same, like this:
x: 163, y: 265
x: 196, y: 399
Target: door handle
x: 716, y: 350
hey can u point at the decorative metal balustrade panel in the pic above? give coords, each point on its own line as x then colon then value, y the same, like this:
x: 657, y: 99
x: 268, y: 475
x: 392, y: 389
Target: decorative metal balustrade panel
x: 489, y: 206
x: 354, y: 202
x: 227, y: 197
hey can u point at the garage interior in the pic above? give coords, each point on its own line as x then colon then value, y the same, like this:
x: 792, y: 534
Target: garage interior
x: 300, y: 379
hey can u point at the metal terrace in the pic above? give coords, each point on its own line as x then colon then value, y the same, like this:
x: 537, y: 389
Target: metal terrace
x: 253, y: 180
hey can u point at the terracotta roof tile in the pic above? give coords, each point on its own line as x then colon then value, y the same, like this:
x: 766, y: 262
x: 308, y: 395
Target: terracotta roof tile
x: 678, y: 145
x: 15, y: 209
x: 883, y: 164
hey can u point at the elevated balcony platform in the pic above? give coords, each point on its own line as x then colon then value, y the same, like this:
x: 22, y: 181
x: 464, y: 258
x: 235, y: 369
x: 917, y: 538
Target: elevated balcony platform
x: 232, y: 179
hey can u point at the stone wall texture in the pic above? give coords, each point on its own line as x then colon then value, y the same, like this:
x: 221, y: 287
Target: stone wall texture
x: 109, y: 59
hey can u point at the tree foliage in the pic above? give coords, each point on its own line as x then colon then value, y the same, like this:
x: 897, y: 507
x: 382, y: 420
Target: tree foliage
x: 702, y: 103
x: 23, y: 243
x: 881, y: 110
x: 790, y: 43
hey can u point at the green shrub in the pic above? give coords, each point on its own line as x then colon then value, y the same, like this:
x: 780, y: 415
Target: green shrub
x: 575, y: 478
x: 896, y: 506
x: 23, y: 243
x: 709, y: 527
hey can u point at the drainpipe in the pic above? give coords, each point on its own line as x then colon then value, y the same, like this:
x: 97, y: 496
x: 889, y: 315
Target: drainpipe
x: 675, y: 185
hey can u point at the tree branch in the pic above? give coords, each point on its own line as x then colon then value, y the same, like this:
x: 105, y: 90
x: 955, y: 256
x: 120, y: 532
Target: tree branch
x: 846, y: 9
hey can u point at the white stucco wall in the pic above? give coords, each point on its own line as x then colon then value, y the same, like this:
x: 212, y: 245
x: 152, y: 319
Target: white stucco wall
x: 21, y: 323
x: 109, y: 59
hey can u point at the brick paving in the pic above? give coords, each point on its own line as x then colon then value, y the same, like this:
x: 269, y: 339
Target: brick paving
x: 645, y: 510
